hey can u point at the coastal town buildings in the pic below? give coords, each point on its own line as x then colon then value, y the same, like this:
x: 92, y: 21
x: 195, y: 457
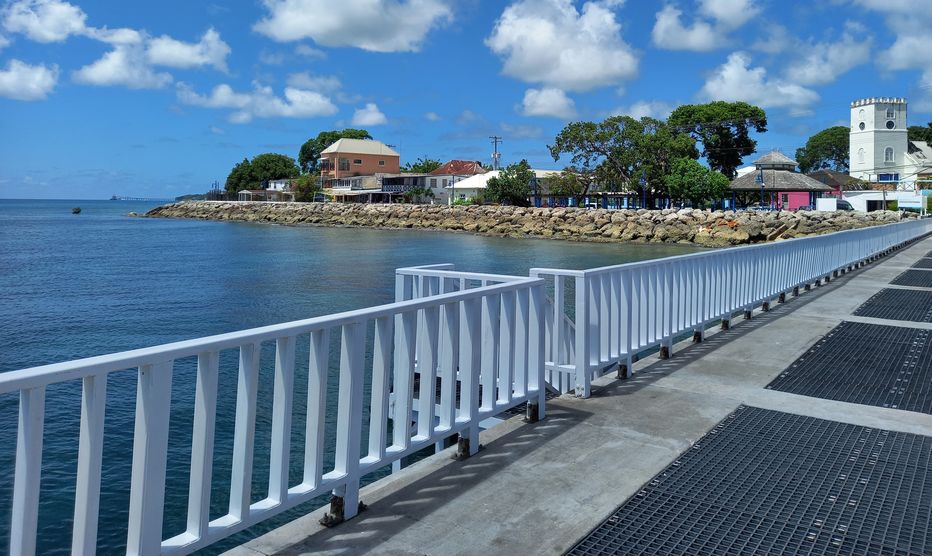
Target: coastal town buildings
x: 881, y: 151
x: 775, y: 182
x: 442, y: 181
x: 356, y: 164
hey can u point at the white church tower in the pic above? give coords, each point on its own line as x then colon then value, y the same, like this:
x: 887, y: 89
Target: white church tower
x: 878, y: 139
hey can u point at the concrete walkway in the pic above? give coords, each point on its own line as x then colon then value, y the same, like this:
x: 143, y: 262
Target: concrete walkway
x: 537, y: 489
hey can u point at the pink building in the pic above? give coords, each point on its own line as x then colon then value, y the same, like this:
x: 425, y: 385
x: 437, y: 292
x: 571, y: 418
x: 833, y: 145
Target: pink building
x: 782, y: 187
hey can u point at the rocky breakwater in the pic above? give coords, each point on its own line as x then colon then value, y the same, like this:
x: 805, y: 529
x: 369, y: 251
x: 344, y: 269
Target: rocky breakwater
x: 700, y: 227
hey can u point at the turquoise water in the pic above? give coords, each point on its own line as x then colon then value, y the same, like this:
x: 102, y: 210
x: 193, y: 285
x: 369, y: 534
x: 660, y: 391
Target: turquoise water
x: 75, y: 286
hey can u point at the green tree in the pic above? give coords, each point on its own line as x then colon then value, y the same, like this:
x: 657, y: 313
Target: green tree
x: 309, y: 155
x: 240, y: 177
x: 919, y: 133
x: 511, y: 186
x: 418, y: 195
x: 621, y: 151
x: 828, y: 148
x: 689, y: 180
x: 422, y: 166
x: 723, y: 128
x: 571, y: 182
x: 272, y: 166
x: 305, y: 188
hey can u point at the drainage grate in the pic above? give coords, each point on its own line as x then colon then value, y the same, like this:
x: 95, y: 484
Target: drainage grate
x: 894, y: 304
x: 920, y: 278
x: 923, y: 263
x: 767, y: 482
x: 870, y: 364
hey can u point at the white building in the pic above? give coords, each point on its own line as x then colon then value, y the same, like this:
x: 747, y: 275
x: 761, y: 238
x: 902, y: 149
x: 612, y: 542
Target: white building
x: 469, y: 188
x: 880, y: 150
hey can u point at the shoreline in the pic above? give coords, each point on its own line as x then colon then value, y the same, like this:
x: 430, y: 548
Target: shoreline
x: 702, y: 228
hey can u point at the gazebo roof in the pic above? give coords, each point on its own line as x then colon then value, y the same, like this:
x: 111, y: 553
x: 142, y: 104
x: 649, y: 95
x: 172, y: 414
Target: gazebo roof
x: 775, y: 159
x: 777, y: 180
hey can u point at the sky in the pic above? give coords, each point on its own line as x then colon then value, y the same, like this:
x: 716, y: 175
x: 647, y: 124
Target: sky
x: 159, y: 99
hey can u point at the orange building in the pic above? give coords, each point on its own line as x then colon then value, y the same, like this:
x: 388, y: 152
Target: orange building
x: 344, y: 164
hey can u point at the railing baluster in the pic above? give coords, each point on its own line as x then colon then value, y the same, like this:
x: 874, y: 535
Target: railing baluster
x: 559, y: 331
x: 470, y: 361
x: 535, y: 351
x: 507, y: 348
x: 449, y: 327
x: 521, y: 343
x: 381, y: 376
x: 405, y: 349
x: 90, y: 451
x: 150, y: 451
x: 317, y: 374
x: 491, y: 326
x: 244, y: 432
x: 26, y: 481
x: 282, y: 402
x: 428, y: 338
x: 202, y: 443
x: 582, y: 337
x: 349, y: 415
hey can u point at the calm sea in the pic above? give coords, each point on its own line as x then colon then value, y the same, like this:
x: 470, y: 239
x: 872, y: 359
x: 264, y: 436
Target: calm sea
x: 75, y: 286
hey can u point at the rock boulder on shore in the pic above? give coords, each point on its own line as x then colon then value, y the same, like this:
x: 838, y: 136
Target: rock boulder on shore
x: 705, y: 228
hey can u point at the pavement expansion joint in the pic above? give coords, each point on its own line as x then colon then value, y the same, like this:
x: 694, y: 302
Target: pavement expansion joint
x: 767, y: 482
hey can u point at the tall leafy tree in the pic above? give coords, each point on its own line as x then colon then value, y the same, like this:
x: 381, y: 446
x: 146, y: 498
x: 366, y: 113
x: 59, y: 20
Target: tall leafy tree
x: 309, y: 155
x: 571, y: 182
x: 305, y: 188
x: 724, y: 130
x: 689, y: 180
x: 828, y: 148
x: 240, y: 177
x: 511, y: 186
x: 919, y: 133
x: 622, y: 151
x: 423, y: 165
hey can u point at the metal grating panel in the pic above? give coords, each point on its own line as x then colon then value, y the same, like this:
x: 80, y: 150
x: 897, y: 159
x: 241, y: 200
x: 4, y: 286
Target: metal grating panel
x: 920, y: 278
x: 870, y: 364
x: 895, y: 304
x: 767, y: 482
x: 923, y: 263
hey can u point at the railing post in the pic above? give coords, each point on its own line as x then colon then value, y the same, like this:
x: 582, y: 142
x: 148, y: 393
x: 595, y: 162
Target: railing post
x: 90, y: 452
x: 583, y: 386
x: 470, y: 358
x: 28, y: 473
x: 381, y: 376
x: 202, y: 443
x: 244, y: 431
x: 150, y: 450
x: 535, y: 354
x: 282, y: 402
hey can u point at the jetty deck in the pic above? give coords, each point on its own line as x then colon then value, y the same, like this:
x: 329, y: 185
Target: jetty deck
x: 805, y: 428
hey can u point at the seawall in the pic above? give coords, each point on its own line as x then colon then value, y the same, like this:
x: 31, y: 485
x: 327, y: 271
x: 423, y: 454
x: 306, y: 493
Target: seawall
x: 705, y: 228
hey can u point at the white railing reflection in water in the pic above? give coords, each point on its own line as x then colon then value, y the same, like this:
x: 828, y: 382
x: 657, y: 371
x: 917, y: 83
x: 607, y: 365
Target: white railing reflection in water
x: 447, y: 336
x: 622, y: 310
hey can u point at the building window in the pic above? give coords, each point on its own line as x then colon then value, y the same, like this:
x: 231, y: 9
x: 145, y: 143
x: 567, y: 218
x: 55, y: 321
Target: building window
x: 344, y: 164
x: 891, y: 113
x: 861, y: 156
x: 888, y: 177
x: 433, y: 183
x: 861, y: 126
x: 381, y: 163
x: 357, y: 161
x: 888, y: 154
x: 444, y: 182
x: 784, y: 199
x: 861, y: 114
x: 891, y: 124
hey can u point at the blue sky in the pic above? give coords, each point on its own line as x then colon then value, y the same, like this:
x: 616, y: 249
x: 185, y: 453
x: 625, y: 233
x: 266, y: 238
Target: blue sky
x: 162, y: 98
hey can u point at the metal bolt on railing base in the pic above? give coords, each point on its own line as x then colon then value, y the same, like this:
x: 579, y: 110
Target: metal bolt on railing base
x: 766, y: 306
x: 747, y: 315
x: 622, y: 371
x: 697, y: 336
x: 796, y: 291
x: 726, y: 324
x: 808, y: 287
x: 664, y: 352
x: 532, y: 415
x: 462, y: 445
x: 335, y: 516
x: 782, y: 298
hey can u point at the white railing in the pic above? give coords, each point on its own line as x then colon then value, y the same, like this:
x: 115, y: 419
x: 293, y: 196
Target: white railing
x: 459, y: 338
x: 622, y: 310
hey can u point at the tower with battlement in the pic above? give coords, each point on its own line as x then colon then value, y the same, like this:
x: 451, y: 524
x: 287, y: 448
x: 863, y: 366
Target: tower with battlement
x: 878, y: 139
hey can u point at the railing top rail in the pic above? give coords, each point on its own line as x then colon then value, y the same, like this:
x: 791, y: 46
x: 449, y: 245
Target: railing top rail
x: 45, y: 375
x: 708, y: 253
x: 421, y: 271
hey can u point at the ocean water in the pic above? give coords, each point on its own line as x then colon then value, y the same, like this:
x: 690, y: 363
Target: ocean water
x: 75, y: 286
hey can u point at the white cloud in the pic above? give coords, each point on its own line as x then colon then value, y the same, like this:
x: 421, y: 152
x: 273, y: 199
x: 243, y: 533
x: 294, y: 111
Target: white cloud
x: 670, y: 33
x: 548, y: 102
x: 21, y: 81
x: 551, y: 42
x: 125, y: 65
x: 308, y: 52
x: 730, y: 14
x: 271, y: 58
x: 736, y: 81
x: 217, y: 130
x: 822, y: 63
x: 44, y: 20
x: 369, y: 115
x: 776, y: 41
x: 210, y: 50
x: 432, y: 116
x: 4, y: 42
x: 320, y: 83
x: 261, y: 102
x: 645, y: 109
x: 376, y: 25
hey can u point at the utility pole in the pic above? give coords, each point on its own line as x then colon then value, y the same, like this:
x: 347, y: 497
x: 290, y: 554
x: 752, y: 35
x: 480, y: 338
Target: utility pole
x: 496, y: 156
